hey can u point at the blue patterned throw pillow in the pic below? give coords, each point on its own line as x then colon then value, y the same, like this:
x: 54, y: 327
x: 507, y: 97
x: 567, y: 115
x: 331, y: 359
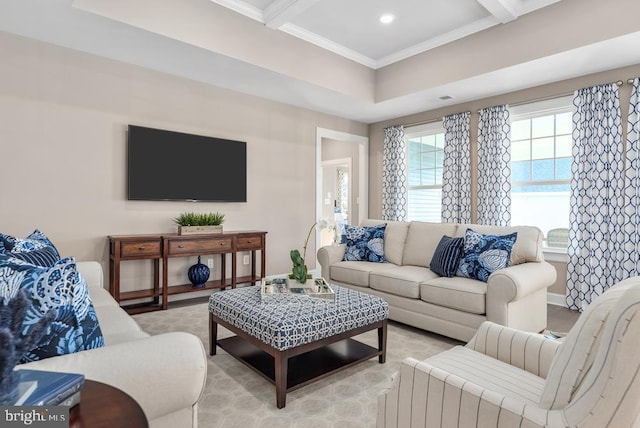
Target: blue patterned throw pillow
x: 365, y: 243
x: 447, y: 256
x: 59, y: 288
x: 37, y: 241
x: 485, y: 254
x: 45, y: 257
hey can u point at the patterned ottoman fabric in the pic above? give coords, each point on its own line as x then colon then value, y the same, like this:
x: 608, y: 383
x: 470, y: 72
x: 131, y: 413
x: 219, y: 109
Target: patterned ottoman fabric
x: 295, y: 322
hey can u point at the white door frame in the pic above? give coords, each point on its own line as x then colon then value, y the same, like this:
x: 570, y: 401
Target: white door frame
x: 363, y: 172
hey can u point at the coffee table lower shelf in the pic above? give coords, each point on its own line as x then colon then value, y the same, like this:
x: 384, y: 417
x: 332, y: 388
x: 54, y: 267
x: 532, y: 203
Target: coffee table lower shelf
x: 296, y: 367
x: 305, y: 368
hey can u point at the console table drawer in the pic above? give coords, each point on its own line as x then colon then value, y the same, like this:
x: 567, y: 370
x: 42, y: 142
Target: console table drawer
x: 177, y: 247
x: 140, y: 248
x: 249, y: 243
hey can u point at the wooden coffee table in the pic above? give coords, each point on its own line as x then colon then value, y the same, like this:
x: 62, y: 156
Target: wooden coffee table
x: 103, y: 405
x: 294, y: 365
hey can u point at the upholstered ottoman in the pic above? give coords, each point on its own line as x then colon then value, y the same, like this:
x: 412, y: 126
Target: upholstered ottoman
x: 308, y: 338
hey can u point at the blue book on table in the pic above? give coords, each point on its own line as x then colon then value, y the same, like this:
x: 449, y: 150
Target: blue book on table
x: 42, y: 388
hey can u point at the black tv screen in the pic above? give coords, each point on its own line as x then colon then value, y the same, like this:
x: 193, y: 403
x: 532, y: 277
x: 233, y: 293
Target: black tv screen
x: 173, y: 166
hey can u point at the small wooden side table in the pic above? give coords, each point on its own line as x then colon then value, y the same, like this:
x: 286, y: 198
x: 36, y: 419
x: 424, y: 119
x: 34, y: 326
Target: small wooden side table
x: 103, y: 405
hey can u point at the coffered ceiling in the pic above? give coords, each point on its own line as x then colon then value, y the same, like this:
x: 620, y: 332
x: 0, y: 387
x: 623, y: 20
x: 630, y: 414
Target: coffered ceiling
x: 353, y: 29
x: 335, y: 56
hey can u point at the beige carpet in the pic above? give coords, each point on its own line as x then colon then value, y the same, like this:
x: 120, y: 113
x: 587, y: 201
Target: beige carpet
x: 235, y: 396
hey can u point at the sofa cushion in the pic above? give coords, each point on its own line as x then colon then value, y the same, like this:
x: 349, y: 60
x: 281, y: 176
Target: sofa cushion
x: 447, y: 256
x: 484, y: 254
x: 527, y: 248
x: 464, y: 294
x: 402, y: 281
x: 422, y: 240
x: 395, y: 235
x: 356, y: 273
x: 59, y: 288
x: 365, y: 243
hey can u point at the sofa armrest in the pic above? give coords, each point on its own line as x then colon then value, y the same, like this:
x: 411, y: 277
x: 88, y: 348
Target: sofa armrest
x: 92, y: 273
x: 515, y: 290
x: 163, y: 373
x: 329, y: 255
x: 422, y: 395
x: 528, y: 351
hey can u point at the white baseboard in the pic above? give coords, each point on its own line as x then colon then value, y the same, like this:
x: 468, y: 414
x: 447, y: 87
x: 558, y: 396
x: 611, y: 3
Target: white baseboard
x: 556, y: 299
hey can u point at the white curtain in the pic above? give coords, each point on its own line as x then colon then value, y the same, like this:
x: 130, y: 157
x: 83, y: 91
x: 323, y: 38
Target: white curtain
x: 394, y: 175
x: 456, y: 181
x: 494, y: 166
x: 596, y: 219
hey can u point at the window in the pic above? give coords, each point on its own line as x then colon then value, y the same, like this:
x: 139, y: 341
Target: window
x: 541, y: 168
x: 425, y: 146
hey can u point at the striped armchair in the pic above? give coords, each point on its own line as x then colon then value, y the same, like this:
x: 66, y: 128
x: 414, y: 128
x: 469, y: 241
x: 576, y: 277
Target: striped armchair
x: 509, y: 378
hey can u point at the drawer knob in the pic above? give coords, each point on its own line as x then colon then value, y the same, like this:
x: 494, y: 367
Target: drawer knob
x: 141, y: 248
x: 222, y: 243
x: 180, y: 246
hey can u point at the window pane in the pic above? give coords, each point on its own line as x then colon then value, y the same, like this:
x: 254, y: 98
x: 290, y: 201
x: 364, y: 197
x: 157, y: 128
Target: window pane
x: 425, y: 205
x: 428, y: 141
x: 521, y: 130
x: 563, y: 169
x: 542, y: 170
x: 428, y: 177
x: 520, y: 171
x: 542, y: 126
x: 542, y: 148
x: 564, y: 124
x: 545, y: 209
x: 520, y: 150
x: 439, y: 158
x: 414, y: 177
x: 563, y: 145
x: 439, y: 141
x: 428, y: 160
x: 438, y: 176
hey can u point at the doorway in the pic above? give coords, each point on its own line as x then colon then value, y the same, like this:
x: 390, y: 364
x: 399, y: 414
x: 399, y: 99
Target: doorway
x: 339, y: 151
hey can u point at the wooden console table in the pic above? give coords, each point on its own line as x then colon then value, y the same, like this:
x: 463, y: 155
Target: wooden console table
x: 161, y: 248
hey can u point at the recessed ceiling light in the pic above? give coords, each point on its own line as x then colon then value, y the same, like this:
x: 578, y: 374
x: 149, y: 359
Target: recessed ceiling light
x: 387, y: 18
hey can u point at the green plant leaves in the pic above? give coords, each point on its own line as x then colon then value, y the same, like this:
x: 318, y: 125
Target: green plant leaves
x: 199, y: 219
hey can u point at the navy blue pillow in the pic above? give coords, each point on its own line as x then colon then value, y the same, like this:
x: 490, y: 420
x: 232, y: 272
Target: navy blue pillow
x: 365, y: 243
x: 447, y: 256
x: 45, y: 257
x: 485, y: 254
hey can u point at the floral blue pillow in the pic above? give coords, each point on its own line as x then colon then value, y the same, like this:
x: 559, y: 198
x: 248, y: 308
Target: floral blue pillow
x: 35, y: 241
x: 59, y: 288
x: 365, y: 243
x: 484, y: 254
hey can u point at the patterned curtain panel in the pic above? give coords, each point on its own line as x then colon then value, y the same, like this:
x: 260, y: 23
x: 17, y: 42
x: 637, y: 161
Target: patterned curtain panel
x: 394, y: 175
x: 494, y: 166
x: 596, y: 218
x: 631, y: 241
x: 456, y: 182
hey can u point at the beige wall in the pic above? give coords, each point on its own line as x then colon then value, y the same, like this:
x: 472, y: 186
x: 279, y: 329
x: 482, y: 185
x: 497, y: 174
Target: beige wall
x: 62, y: 138
x: 376, y: 132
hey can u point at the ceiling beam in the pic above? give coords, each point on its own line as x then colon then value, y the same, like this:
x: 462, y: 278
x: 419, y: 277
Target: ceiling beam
x: 503, y: 10
x: 280, y: 12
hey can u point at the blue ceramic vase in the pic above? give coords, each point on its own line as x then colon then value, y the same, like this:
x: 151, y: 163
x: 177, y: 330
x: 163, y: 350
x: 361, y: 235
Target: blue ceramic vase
x: 198, y: 274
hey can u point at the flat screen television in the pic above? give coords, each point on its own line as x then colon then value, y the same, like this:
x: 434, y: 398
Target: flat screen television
x: 173, y: 166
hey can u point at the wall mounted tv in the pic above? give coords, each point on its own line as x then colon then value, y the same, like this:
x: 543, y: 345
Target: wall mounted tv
x: 172, y: 166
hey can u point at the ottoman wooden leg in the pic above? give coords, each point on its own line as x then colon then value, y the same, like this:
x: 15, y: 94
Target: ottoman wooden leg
x: 382, y: 342
x: 281, y: 362
x: 213, y: 335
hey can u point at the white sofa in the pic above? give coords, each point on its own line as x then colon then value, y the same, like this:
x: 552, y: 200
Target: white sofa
x: 515, y: 296
x: 507, y: 378
x: 165, y: 374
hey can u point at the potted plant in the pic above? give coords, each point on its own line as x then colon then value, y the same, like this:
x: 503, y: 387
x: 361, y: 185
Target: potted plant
x: 195, y: 223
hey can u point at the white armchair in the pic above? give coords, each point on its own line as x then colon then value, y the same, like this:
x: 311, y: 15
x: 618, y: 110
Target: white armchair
x: 509, y: 378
